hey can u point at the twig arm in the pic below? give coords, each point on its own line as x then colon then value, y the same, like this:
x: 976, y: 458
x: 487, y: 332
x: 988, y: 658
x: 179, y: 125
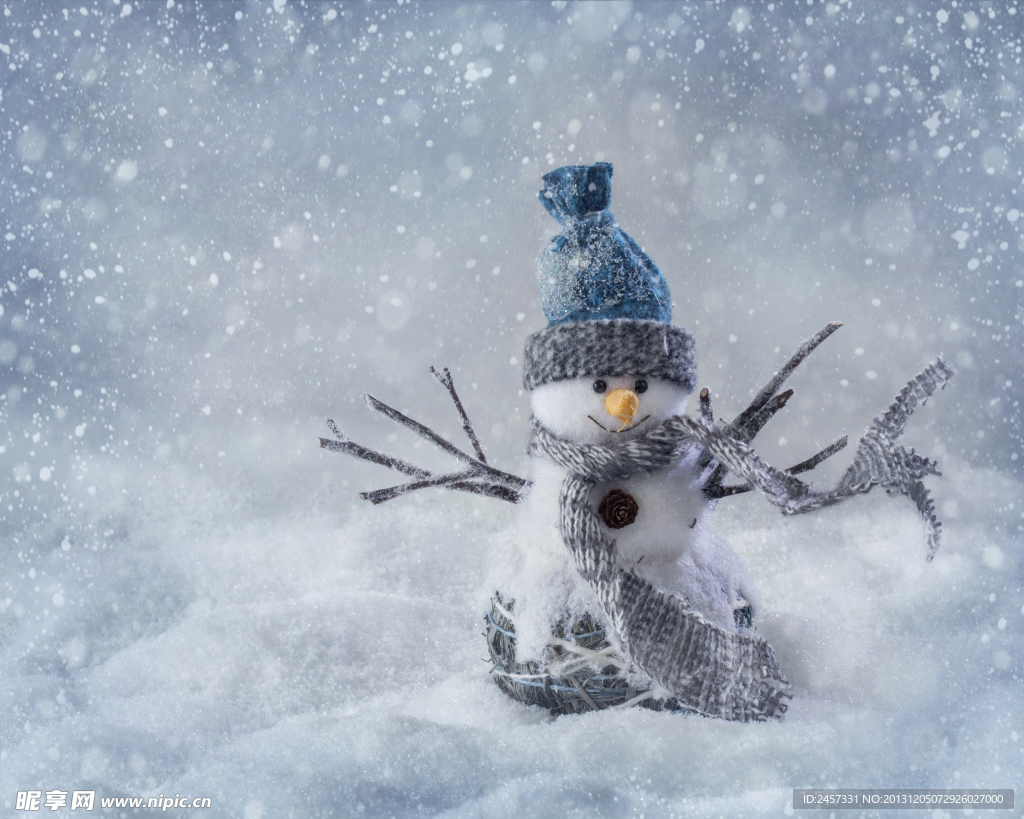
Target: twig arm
x: 756, y: 422
x: 776, y: 381
x: 478, y: 477
x: 381, y: 495
x: 766, y: 403
x: 442, y: 444
x: 418, y: 428
x: 814, y: 460
x: 706, y: 415
x: 382, y: 458
x: 878, y: 461
x: 459, y: 481
x: 445, y: 378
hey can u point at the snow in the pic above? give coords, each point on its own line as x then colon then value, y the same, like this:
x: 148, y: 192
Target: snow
x: 241, y: 626
x: 311, y: 661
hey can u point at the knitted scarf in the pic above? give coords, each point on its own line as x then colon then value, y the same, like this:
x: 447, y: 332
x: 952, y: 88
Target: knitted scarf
x: 703, y: 666
x: 716, y: 672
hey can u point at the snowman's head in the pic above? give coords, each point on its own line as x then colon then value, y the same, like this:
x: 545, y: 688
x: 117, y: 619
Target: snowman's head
x: 610, y: 364
x: 606, y: 409
x: 609, y: 380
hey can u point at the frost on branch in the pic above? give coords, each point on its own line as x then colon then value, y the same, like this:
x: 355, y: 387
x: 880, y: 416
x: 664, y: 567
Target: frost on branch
x: 748, y: 423
x: 477, y: 476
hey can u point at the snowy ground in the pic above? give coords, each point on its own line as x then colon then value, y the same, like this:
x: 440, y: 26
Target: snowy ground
x: 319, y: 664
x: 223, y: 222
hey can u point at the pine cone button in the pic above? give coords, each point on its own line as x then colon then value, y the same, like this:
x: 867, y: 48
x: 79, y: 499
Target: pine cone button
x: 618, y: 509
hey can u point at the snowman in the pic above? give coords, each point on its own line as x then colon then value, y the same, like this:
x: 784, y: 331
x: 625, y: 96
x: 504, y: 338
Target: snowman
x: 615, y: 590
x: 609, y: 367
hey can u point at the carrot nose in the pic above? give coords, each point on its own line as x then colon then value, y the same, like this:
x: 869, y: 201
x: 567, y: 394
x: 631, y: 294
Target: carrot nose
x: 622, y: 404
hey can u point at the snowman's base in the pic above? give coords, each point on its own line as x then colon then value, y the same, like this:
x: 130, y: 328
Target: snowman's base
x: 580, y: 672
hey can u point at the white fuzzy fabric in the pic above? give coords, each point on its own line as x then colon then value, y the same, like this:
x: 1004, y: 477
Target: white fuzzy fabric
x: 670, y: 544
x: 573, y: 411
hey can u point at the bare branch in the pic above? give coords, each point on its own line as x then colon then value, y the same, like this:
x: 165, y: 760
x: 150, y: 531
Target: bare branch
x: 441, y: 443
x: 766, y: 403
x: 390, y: 461
x: 337, y: 432
x: 381, y: 495
x: 378, y: 495
x: 418, y: 428
x: 814, y: 460
x: 707, y: 416
x: 757, y: 421
x: 445, y: 377
x: 505, y: 477
x: 478, y: 478
x: 746, y: 434
x: 769, y: 389
x: 491, y: 490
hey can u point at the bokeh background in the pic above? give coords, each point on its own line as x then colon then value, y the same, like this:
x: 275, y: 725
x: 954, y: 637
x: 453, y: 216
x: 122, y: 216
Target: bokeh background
x: 223, y: 222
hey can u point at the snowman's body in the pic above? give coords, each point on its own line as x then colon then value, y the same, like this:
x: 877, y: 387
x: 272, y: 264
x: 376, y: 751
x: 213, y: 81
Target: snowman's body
x: 670, y: 543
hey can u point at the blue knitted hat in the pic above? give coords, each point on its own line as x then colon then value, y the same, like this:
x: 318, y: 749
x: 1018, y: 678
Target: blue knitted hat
x: 607, y: 304
x: 593, y: 269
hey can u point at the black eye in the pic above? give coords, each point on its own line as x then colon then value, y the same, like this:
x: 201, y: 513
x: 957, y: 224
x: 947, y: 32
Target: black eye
x: 600, y: 386
x: 640, y: 387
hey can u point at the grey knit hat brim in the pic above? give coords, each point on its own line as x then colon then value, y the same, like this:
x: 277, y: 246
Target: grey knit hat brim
x: 611, y: 348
